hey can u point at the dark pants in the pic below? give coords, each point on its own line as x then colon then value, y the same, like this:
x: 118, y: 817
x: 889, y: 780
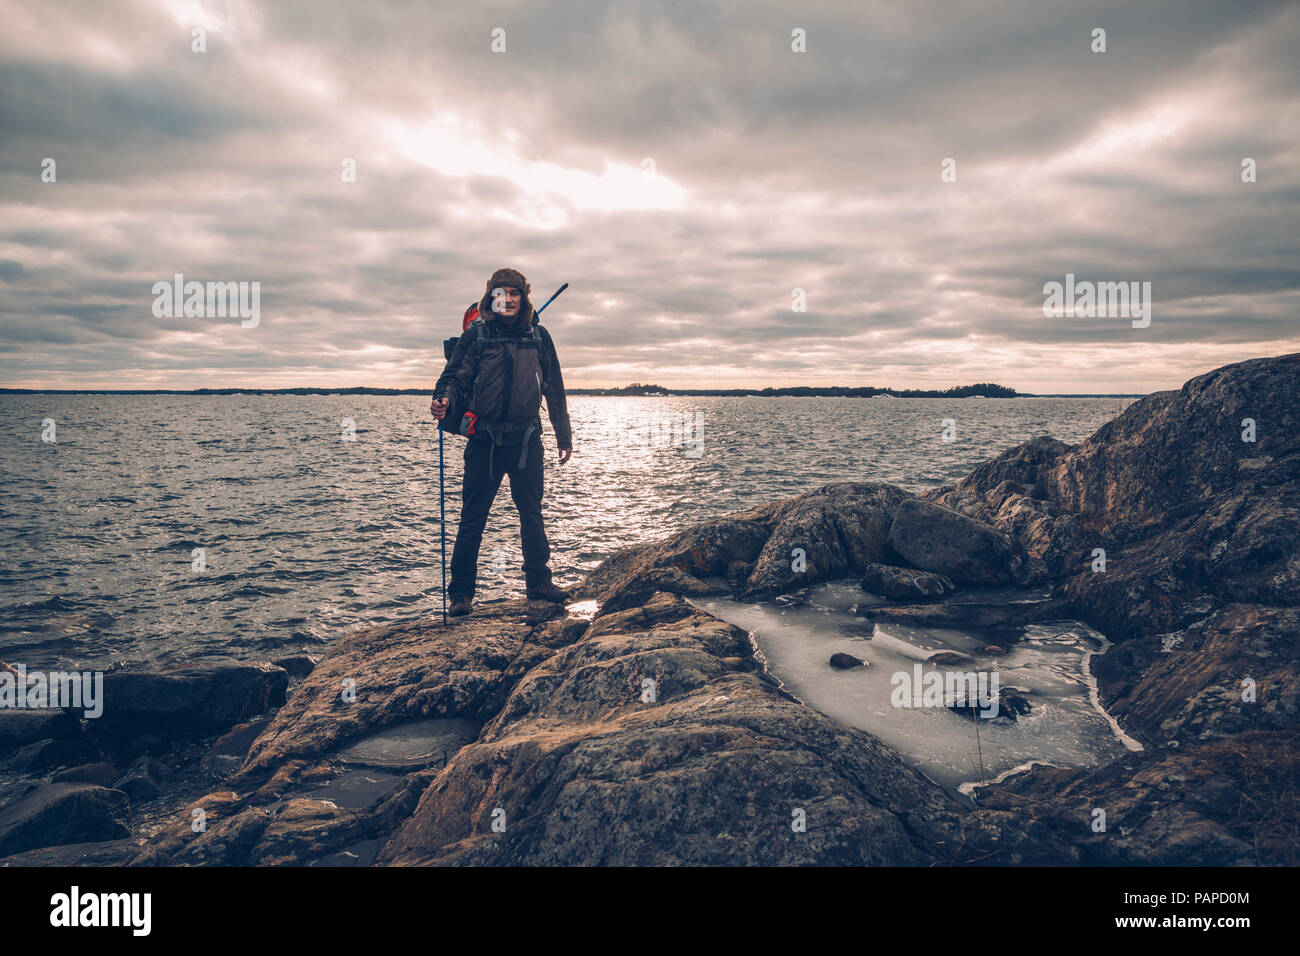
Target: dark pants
x: 485, y: 466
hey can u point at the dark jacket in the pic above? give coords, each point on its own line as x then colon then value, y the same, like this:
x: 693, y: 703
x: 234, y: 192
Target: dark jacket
x: 457, y: 379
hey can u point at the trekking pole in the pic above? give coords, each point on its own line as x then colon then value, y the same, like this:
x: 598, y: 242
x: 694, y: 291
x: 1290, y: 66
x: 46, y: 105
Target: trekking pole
x: 552, y: 298
x: 442, y: 527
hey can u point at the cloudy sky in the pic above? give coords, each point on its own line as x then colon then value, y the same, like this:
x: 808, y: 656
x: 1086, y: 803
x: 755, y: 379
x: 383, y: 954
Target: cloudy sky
x: 676, y: 162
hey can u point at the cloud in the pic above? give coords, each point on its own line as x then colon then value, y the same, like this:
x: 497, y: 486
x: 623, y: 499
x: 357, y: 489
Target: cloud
x: 676, y: 163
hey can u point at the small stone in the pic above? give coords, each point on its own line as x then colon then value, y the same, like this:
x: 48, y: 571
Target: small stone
x: 843, y: 661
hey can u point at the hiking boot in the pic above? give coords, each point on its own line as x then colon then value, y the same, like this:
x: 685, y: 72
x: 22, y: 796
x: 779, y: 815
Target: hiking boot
x: 548, y: 592
x: 462, y: 605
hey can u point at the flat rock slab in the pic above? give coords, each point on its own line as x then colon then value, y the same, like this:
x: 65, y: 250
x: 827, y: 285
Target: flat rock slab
x: 413, y: 745
x: 945, y: 542
x: 357, y: 789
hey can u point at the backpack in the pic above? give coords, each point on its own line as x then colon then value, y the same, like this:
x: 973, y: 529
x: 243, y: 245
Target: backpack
x: 507, y: 390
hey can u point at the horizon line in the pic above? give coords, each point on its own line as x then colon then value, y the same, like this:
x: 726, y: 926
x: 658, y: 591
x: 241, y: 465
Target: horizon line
x: 594, y: 391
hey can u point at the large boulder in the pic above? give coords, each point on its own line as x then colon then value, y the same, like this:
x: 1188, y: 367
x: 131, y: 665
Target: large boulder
x: 1173, y: 449
x: 832, y: 531
x: 945, y: 542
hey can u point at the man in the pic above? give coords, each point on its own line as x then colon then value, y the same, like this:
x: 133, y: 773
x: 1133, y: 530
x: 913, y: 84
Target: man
x: 502, y: 367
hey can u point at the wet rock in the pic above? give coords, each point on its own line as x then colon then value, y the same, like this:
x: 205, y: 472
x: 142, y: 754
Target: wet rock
x: 63, y: 813
x: 901, y: 584
x: 227, y: 753
x: 26, y: 726
x: 42, y: 755
x: 100, y: 772
x: 843, y: 661
x: 296, y: 665
x: 1011, y: 706
x: 144, y: 779
x: 205, y: 698
x: 949, y: 543
x: 100, y: 853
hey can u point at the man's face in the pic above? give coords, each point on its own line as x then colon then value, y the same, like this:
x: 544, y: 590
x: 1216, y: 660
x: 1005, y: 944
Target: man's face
x: 506, y: 301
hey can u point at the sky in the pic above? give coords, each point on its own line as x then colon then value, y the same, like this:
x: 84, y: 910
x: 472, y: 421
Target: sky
x: 681, y: 164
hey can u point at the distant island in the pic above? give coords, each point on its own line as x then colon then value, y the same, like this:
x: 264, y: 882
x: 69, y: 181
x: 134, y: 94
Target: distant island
x: 981, y: 390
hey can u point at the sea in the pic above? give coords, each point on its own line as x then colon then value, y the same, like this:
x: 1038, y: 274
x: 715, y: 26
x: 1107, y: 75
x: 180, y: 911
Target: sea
x: 149, y: 530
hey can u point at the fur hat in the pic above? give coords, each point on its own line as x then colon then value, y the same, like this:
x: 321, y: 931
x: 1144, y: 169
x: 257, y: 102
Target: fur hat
x: 510, y: 278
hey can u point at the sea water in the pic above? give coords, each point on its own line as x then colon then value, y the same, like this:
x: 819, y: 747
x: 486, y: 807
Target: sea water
x: 158, y: 529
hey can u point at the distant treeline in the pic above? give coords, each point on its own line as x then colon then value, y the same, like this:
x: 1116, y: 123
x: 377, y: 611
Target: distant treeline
x: 986, y: 389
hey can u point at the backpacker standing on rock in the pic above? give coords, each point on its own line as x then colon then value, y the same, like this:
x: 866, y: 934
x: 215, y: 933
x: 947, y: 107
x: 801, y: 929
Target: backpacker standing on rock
x: 494, y: 382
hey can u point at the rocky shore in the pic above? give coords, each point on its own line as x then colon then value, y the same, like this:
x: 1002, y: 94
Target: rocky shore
x: 634, y: 728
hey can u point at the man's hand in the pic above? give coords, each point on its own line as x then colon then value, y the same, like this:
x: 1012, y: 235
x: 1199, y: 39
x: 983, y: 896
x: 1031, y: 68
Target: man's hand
x: 564, y: 454
x: 438, y: 407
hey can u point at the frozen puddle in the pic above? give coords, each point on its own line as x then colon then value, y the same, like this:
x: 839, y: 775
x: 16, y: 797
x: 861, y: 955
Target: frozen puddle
x: 1066, y: 727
